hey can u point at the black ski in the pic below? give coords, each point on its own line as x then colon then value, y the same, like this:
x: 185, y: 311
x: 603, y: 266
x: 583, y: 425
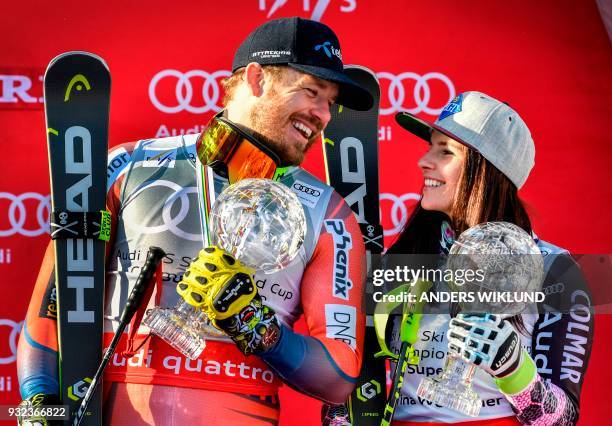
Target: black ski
x: 77, y: 101
x: 351, y: 162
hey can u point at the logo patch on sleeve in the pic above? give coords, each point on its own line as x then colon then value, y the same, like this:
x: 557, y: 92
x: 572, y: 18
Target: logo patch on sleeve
x: 118, y: 161
x: 341, y: 324
x: 307, y: 194
x: 48, y: 308
x: 159, y: 158
x: 342, y: 244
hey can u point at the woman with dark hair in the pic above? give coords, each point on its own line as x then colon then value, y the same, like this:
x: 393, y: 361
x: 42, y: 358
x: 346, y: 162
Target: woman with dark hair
x: 530, y: 366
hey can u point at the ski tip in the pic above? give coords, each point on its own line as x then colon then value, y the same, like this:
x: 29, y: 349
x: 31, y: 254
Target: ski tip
x: 367, y: 79
x: 76, y: 53
x: 52, y: 131
x: 360, y: 68
x: 357, y: 66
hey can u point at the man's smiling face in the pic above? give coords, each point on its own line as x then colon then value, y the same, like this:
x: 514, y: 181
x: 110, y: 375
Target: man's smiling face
x: 292, y: 112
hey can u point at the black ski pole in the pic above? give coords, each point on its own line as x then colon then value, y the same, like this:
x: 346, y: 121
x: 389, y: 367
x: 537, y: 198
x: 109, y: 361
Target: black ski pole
x: 154, y: 256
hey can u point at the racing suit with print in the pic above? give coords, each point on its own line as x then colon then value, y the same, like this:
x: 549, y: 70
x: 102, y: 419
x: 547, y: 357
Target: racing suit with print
x: 155, y: 193
x: 558, y: 340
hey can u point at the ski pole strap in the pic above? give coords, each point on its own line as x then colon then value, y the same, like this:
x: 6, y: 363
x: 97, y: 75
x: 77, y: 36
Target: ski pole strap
x: 381, y: 318
x: 372, y: 237
x: 409, y: 297
x: 89, y: 225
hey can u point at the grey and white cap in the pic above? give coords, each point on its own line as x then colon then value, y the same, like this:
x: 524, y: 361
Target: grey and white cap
x: 486, y: 125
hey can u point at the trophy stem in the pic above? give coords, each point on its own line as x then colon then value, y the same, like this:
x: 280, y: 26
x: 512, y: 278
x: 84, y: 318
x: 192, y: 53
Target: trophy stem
x: 180, y: 327
x: 453, y: 388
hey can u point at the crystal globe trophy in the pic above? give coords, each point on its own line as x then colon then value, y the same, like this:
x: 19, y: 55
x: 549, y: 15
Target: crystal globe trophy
x: 511, y: 262
x: 260, y: 222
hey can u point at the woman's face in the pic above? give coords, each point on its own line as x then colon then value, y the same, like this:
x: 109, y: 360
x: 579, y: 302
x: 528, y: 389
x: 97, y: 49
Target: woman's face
x: 441, y: 166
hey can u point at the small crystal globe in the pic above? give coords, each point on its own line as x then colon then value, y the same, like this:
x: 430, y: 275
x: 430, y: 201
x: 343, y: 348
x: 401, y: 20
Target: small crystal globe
x: 508, y: 256
x: 259, y: 221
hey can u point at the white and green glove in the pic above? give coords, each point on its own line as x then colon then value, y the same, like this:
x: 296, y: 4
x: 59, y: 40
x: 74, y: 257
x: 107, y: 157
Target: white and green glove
x: 487, y: 341
x: 492, y: 343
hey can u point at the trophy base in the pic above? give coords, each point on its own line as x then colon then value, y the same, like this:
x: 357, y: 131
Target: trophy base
x: 174, y: 329
x: 456, y: 396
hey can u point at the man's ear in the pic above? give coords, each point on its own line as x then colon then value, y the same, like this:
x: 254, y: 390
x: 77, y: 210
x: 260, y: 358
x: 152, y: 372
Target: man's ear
x: 254, y: 77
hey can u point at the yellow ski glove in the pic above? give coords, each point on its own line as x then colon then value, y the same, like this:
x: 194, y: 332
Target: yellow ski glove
x: 223, y: 288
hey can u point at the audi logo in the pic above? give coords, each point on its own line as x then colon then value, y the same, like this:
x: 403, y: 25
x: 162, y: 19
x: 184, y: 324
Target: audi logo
x: 307, y: 190
x: 397, y: 97
x: 421, y: 94
x: 168, y: 221
x: 554, y: 288
x: 185, y: 88
x: 17, y: 214
x: 13, y: 337
x: 398, y: 215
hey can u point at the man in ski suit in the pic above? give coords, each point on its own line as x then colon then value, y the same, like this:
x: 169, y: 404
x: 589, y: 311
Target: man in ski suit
x: 286, y: 74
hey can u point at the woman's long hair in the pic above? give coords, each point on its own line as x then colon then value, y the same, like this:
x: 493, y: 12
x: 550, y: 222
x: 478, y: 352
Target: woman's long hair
x: 484, y: 194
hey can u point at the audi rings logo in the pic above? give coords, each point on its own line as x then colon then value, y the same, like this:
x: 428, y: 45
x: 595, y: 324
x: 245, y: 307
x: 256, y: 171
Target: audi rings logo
x: 307, y: 190
x: 422, y: 93
x: 22, y: 206
x: 399, y: 212
x: 171, y: 217
x: 186, y: 85
x: 14, y: 328
x: 430, y: 93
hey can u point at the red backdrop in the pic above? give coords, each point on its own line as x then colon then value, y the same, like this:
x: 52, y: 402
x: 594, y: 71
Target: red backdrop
x: 551, y: 60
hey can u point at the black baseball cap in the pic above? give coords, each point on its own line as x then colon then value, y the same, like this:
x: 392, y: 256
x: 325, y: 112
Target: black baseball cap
x: 308, y: 46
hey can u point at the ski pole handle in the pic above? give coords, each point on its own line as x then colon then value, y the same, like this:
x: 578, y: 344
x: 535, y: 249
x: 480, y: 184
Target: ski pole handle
x: 154, y: 256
